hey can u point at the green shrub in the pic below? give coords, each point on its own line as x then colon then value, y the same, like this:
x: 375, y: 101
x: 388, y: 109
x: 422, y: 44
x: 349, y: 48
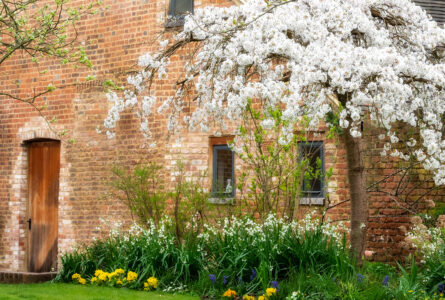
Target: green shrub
x: 142, y: 190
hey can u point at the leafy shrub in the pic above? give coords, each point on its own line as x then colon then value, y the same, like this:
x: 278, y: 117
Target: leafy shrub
x: 142, y: 190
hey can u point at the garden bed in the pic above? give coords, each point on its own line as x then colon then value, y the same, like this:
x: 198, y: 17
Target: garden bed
x: 241, y: 259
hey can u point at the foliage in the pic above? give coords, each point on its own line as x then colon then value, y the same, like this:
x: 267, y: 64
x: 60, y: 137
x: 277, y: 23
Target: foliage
x: 142, y: 190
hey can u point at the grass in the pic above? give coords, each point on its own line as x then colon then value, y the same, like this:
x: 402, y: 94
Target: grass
x: 73, y: 292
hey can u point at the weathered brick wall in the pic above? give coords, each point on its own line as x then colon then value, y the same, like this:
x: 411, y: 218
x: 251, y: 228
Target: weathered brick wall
x: 394, y: 196
x: 113, y: 39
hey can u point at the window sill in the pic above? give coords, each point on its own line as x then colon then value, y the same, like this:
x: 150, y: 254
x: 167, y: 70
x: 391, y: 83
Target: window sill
x: 222, y: 200
x: 312, y: 201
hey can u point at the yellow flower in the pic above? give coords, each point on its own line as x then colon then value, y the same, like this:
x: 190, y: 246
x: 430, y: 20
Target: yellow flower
x: 131, y: 276
x: 410, y: 291
x: 82, y: 280
x: 93, y: 280
x: 229, y: 294
x: 119, y: 281
x: 119, y: 271
x: 261, y: 298
x: 76, y: 276
x: 98, y: 272
x: 103, y: 276
x: 271, y: 291
x: 153, y: 282
x: 247, y: 297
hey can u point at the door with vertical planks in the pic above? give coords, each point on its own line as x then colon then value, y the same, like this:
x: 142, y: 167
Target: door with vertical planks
x: 43, y: 193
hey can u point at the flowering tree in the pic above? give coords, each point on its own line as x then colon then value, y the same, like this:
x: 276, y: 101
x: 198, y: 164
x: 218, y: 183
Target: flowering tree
x: 378, y: 58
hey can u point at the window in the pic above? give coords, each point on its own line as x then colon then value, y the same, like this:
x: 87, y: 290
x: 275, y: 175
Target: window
x: 313, y: 182
x: 223, y: 180
x: 177, y: 11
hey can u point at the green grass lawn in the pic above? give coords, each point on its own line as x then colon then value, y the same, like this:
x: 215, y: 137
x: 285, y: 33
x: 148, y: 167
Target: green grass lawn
x: 63, y: 291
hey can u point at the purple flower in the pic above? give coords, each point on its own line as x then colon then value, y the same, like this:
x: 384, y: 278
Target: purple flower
x: 441, y: 288
x: 226, y: 280
x: 275, y: 285
x: 253, y: 275
x: 212, y: 278
x: 385, y: 280
x: 360, y: 277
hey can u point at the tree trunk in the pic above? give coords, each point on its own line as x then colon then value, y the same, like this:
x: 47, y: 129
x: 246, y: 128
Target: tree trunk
x: 359, y: 198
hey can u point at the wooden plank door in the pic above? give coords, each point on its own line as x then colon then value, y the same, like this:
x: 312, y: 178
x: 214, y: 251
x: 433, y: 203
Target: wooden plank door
x: 43, y: 193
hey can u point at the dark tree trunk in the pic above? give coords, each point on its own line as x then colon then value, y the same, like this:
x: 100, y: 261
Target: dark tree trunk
x: 357, y: 188
x: 359, y: 198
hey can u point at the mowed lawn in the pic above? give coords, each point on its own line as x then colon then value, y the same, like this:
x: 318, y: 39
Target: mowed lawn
x: 64, y: 291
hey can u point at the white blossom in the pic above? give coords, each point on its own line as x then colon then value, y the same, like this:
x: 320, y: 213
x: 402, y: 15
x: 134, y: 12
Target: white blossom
x: 378, y: 56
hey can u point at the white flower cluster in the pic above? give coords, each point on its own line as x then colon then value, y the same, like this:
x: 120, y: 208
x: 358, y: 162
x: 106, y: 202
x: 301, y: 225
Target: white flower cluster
x: 380, y: 57
x: 429, y: 241
x: 255, y: 233
x: 151, y: 234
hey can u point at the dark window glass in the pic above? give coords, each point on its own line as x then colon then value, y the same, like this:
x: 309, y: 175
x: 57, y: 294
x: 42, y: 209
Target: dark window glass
x: 313, y: 156
x: 223, y: 171
x: 178, y: 9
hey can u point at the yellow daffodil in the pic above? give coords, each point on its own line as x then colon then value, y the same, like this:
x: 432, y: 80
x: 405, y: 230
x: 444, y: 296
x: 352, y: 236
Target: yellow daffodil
x: 94, y: 279
x: 82, y: 281
x: 271, y: 291
x: 119, y: 271
x: 98, y: 272
x: 131, y: 276
x: 248, y: 297
x: 103, y: 276
x: 153, y: 282
x: 76, y: 276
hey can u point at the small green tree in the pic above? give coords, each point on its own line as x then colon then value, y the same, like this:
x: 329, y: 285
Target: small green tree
x: 275, y: 171
x: 191, y: 206
x: 142, y: 190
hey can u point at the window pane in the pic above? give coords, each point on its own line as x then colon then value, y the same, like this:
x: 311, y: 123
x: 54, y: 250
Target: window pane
x: 313, y: 180
x: 223, y: 171
x: 182, y: 7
